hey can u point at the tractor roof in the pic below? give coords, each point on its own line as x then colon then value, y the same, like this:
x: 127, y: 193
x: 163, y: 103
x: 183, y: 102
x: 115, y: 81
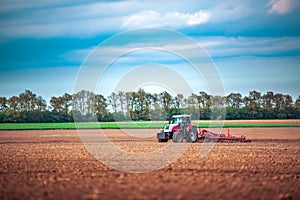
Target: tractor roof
x: 179, y: 116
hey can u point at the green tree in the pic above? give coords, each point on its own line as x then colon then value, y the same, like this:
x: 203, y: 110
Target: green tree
x: 206, y: 105
x: 178, y: 101
x: 63, y: 103
x: 83, y: 102
x: 100, y: 107
x: 113, y: 101
x: 156, y: 112
x: 288, y: 106
x: 56, y: 104
x: 41, y: 104
x: 192, y: 101
x: 268, y: 99
x: 254, y: 104
x: 297, y: 107
x: 61, y: 108
x: 3, y: 104
x: 3, y: 109
x: 166, y: 100
x: 278, y: 101
x: 121, y: 98
x: 218, y: 101
x: 234, y: 100
x: 246, y: 101
x: 205, y: 99
x: 27, y: 101
x: 129, y: 104
x: 297, y: 103
x: 14, y: 104
x: 67, y: 100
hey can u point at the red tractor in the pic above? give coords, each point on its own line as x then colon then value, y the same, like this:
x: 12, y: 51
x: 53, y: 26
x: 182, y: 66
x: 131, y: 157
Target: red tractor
x: 179, y: 129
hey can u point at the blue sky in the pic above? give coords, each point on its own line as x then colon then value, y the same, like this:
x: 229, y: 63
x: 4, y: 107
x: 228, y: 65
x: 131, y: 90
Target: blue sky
x: 254, y: 44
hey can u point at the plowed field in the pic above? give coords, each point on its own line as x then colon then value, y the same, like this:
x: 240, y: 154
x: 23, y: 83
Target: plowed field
x: 54, y: 164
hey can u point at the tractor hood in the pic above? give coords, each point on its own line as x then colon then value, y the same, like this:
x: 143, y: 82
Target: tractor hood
x: 169, y: 127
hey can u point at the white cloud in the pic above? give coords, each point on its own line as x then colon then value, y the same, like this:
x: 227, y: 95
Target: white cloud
x: 224, y: 48
x: 74, y: 18
x: 249, y: 46
x: 152, y: 18
x: 55, y: 19
x: 280, y: 6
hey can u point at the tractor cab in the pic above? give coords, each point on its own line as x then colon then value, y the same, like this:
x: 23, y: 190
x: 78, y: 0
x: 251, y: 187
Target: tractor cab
x: 181, y: 120
x: 176, y: 119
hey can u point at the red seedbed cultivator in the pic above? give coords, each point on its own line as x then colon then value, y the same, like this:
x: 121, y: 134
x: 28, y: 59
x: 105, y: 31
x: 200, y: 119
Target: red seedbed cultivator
x: 208, y: 136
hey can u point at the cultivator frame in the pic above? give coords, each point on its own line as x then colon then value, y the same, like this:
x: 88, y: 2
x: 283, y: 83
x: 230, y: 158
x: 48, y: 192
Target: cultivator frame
x: 208, y: 136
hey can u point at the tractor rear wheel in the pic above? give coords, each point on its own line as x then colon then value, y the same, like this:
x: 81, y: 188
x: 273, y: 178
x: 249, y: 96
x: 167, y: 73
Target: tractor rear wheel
x: 178, y: 136
x: 192, y: 135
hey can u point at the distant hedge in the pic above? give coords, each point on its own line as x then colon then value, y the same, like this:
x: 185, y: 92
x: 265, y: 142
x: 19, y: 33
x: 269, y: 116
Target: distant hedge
x: 27, y: 107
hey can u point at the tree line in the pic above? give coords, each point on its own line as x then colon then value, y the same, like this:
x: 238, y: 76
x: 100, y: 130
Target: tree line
x: 141, y: 105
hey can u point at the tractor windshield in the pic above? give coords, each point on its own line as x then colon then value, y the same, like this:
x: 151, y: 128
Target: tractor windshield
x: 186, y: 120
x: 176, y: 120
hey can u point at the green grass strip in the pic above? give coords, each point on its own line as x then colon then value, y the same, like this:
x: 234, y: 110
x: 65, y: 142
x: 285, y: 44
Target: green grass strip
x: 124, y: 125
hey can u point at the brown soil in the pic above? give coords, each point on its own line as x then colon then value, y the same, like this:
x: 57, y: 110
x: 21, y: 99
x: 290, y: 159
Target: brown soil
x: 54, y: 164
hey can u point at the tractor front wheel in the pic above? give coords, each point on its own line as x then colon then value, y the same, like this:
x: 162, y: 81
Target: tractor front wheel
x: 178, y: 136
